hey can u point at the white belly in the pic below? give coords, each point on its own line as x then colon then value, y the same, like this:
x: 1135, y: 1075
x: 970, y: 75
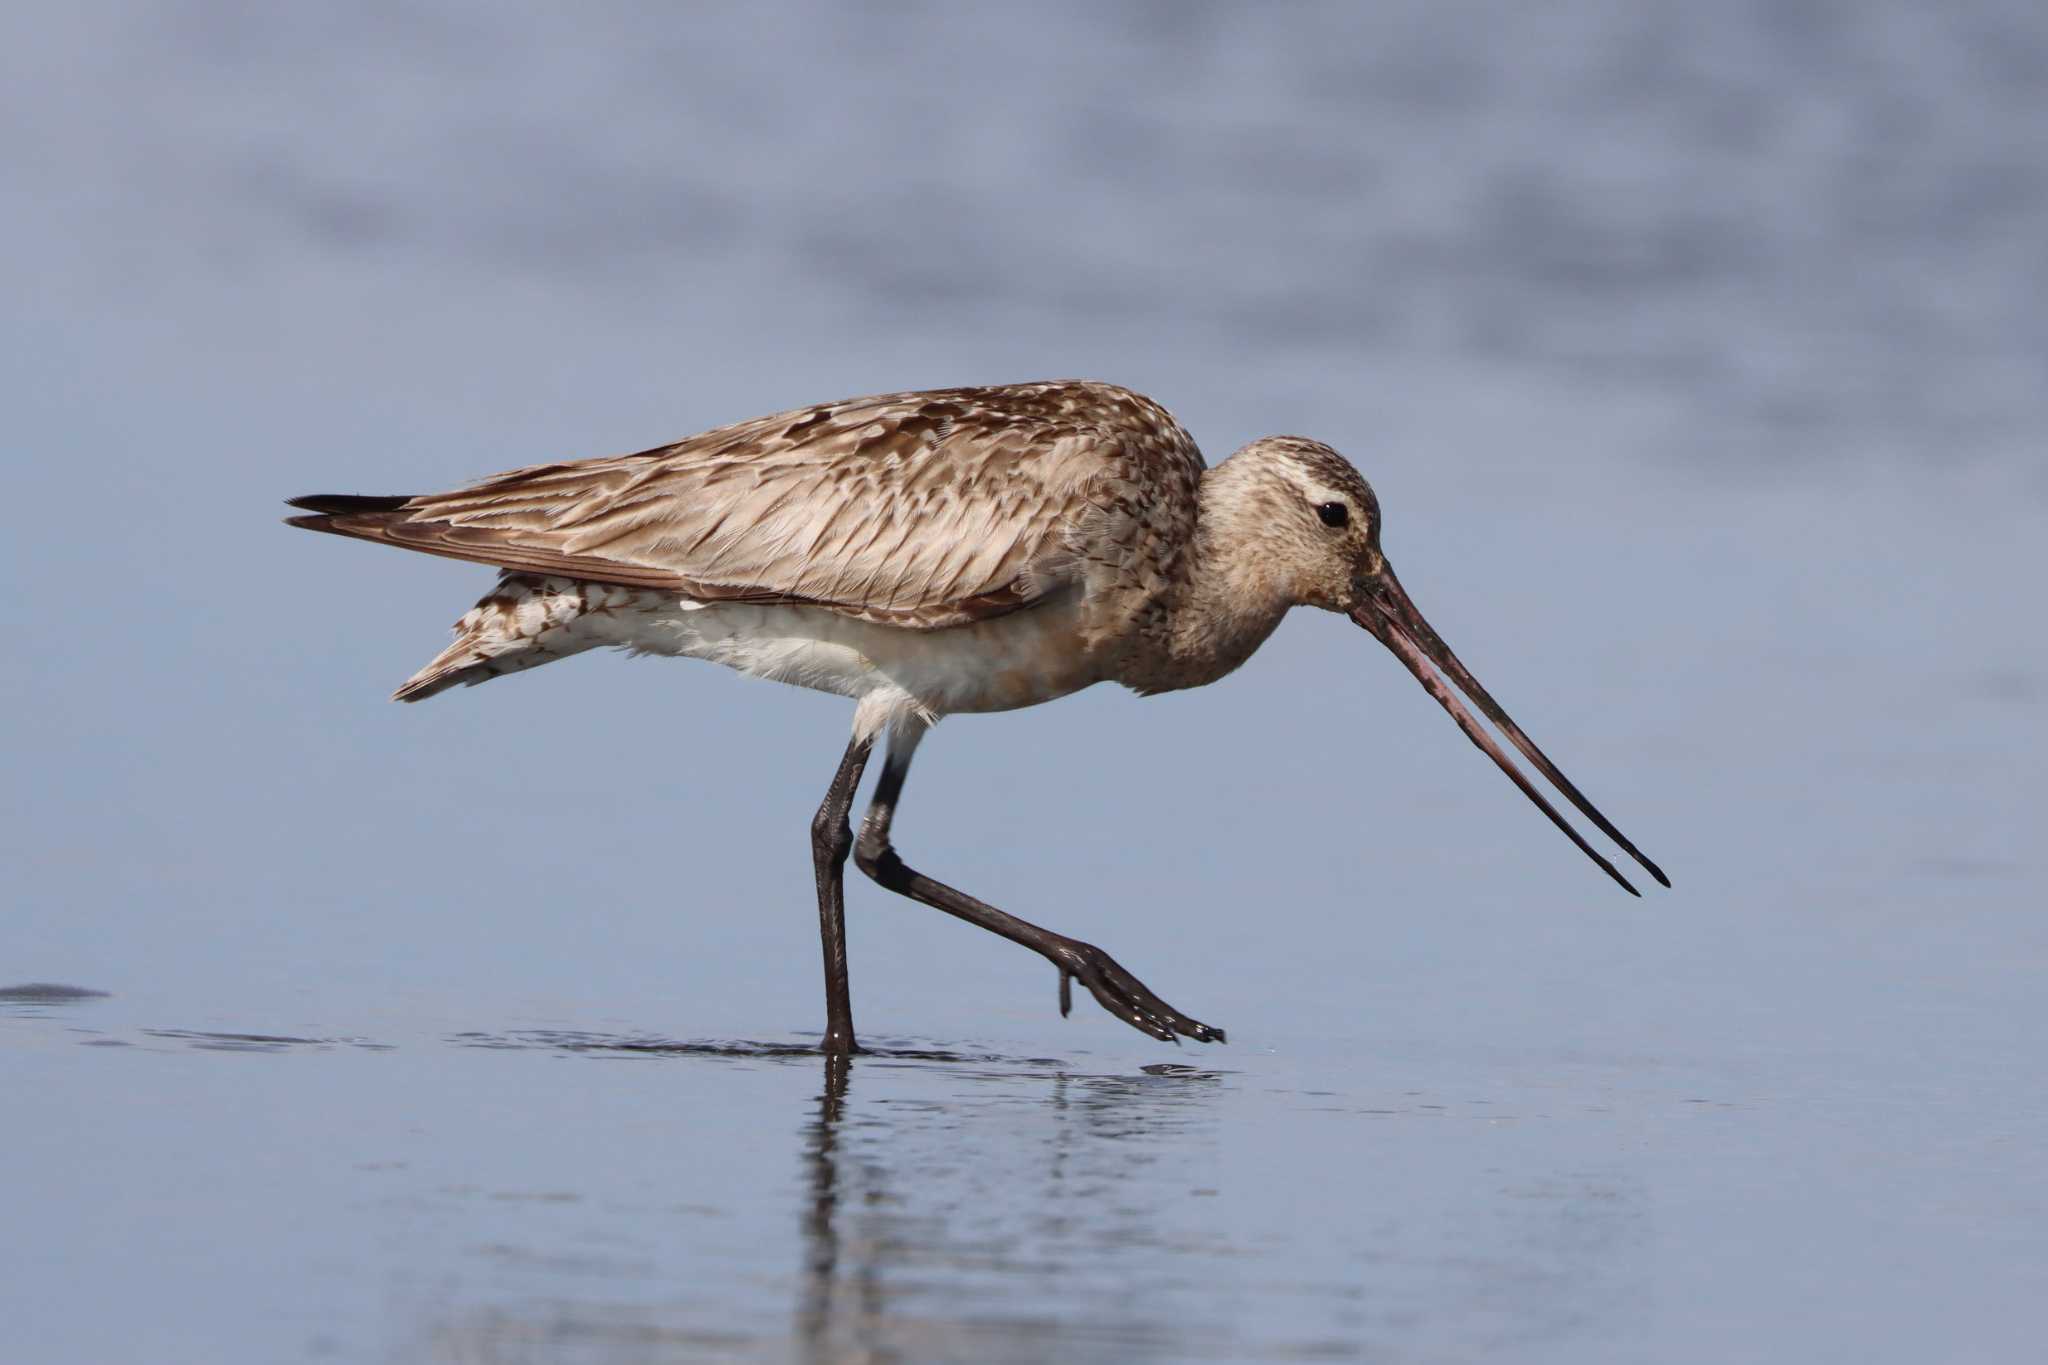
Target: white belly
x: 998, y: 665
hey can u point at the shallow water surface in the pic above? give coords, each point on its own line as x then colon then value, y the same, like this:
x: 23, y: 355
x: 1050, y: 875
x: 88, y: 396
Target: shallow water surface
x: 547, y: 1194
x: 418, y: 1190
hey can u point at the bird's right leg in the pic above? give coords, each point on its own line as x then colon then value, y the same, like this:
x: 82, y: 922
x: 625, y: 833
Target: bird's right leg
x: 831, y: 839
x: 1116, y: 989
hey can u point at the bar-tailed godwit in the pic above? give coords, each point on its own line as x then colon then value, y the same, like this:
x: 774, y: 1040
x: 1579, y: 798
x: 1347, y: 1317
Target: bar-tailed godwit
x: 923, y: 554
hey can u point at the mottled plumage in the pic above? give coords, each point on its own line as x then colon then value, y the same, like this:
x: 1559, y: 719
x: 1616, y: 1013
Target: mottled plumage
x: 957, y: 550
x: 910, y: 511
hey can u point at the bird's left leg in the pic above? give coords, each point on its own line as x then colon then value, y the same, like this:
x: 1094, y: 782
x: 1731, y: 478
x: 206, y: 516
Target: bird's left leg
x: 1116, y: 989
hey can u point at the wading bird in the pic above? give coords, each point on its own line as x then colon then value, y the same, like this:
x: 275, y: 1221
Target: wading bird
x: 924, y: 554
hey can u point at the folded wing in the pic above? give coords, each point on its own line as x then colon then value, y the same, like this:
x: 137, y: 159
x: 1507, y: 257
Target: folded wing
x: 920, y: 509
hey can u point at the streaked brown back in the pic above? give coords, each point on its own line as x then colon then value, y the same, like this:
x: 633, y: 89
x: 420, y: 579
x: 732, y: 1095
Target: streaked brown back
x: 921, y: 509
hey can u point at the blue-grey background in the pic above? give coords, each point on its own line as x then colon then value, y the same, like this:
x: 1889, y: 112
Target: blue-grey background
x: 1698, y: 355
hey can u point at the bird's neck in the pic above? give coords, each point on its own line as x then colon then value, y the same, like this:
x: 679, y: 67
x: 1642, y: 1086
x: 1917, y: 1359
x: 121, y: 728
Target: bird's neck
x: 1225, y: 598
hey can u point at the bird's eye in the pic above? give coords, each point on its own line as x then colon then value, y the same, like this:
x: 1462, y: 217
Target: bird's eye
x: 1334, y: 514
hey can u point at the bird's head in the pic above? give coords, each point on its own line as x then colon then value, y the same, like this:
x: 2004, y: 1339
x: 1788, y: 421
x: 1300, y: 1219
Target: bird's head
x: 1313, y: 518
x: 1316, y: 524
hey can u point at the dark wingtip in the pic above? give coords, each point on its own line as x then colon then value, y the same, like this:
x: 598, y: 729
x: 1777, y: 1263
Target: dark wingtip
x: 339, y: 504
x: 1658, y: 873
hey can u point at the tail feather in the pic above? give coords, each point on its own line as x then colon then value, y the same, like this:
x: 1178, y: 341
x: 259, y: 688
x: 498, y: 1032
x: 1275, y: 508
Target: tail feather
x: 340, y: 504
x: 450, y: 669
x: 524, y: 622
x: 345, y: 514
x: 527, y: 620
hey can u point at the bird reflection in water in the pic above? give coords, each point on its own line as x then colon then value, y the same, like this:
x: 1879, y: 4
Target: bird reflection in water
x: 949, y: 1206
x: 820, y: 1311
x: 924, y: 1232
